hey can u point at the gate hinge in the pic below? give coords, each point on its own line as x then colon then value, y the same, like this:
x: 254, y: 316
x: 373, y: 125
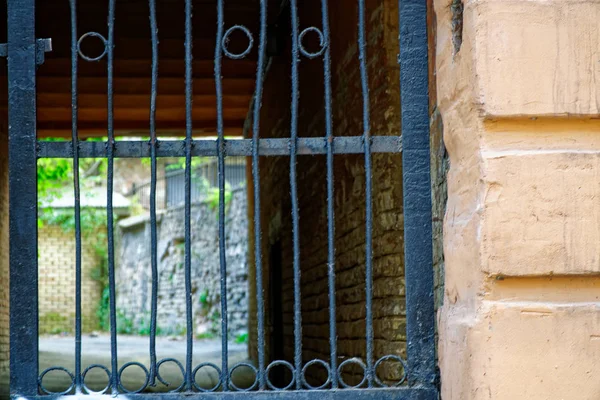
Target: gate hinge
x: 42, y: 46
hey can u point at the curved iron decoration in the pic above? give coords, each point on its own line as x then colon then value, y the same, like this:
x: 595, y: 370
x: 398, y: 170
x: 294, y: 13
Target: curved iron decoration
x: 198, y: 368
x: 47, y: 370
x: 322, y: 42
x: 308, y: 365
x: 239, y: 365
x: 120, y: 375
x: 350, y: 361
x: 395, y: 358
x: 261, y: 381
x: 96, y: 35
x: 85, y: 372
x: 225, y: 42
x: 181, y: 368
x: 276, y: 364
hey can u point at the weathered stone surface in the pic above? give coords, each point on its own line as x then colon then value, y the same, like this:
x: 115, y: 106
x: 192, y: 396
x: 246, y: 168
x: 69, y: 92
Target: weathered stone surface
x: 521, y: 199
x: 541, y: 213
x: 536, y: 57
x: 134, y: 282
x: 524, y: 350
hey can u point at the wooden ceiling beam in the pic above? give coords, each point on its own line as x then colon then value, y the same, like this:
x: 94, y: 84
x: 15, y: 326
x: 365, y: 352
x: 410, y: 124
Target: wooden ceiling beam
x: 45, y: 132
x: 138, y: 68
x: 127, y: 48
x: 172, y: 86
x: 129, y: 127
x: 128, y: 101
x: 140, y: 115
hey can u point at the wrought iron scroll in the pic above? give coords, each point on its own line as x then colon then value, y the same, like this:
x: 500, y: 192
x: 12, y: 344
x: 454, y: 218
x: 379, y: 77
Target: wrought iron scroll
x: 418, y: 371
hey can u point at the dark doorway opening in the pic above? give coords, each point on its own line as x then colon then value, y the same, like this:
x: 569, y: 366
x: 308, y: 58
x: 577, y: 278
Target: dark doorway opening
x: 276, y: 300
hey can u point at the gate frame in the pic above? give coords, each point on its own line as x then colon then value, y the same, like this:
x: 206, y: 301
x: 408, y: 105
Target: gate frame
x: 23, y: 154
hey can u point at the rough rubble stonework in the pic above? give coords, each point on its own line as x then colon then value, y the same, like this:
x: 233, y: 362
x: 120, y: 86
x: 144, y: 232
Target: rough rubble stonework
x: 134, y: 283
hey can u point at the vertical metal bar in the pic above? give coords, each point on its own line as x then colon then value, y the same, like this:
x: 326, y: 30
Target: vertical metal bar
x: 256, y: 182
x: 364, y: 75
x: 221, y: 178
x: 418, y: 247
x: 77, y: 194
x: 294, y: 194
x: 109, y: 200
x: 330, y: 194
x: 188, y: 194
x: 22, y: 198
x: 153, y: 233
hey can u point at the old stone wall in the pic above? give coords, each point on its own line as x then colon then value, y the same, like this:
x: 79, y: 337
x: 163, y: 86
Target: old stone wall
x: 134, y: 171
x: 56, y: 285
x: 134, y: 282
x: 518, y: 94
x: 349, y: 198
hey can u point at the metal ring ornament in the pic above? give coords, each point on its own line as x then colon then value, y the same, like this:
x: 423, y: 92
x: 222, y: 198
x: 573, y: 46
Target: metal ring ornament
x: 92, y: 34
x: 225, y: 40
x: 386, y: 358
x: 198, y: 368
x: 143, y: 387
x: 176, y: 362
x: 358, y: 362
x: 41, y: 378
x: 309, y: 364
x: 322, y: 42
x: 275, y: 364
x: 243, y: 364
x: 88, y: 369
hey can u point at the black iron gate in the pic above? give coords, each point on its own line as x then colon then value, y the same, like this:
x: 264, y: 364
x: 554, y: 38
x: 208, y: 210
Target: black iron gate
x: 25, y: 52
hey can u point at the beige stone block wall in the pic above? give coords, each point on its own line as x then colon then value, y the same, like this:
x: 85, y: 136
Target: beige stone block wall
x: 537, y: 57
x: 519, y: 98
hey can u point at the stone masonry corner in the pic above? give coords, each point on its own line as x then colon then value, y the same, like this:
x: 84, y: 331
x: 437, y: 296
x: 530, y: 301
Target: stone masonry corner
x: 519, y: 101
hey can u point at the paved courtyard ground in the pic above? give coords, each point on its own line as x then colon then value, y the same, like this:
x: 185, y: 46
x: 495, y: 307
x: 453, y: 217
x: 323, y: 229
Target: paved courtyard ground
x: 59, y: 351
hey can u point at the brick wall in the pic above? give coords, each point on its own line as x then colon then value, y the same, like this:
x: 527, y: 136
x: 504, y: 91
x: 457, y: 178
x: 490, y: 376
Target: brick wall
x: 389, y: 302
x: 57, y: 281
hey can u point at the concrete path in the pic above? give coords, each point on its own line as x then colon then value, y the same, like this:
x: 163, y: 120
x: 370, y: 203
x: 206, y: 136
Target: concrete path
x: 59, y: 351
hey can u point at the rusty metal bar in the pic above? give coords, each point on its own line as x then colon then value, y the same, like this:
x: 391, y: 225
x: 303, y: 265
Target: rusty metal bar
x: 208, y: 148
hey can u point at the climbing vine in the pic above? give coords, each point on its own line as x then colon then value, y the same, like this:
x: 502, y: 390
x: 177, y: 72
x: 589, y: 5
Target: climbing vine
x: 54, y: 177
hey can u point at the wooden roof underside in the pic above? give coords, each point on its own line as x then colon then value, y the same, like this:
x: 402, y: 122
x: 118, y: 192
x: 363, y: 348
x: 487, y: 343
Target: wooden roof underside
x: 132, y: 69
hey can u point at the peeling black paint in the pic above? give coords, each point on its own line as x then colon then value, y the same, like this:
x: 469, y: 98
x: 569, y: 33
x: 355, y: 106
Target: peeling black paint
x: 457, y: 9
